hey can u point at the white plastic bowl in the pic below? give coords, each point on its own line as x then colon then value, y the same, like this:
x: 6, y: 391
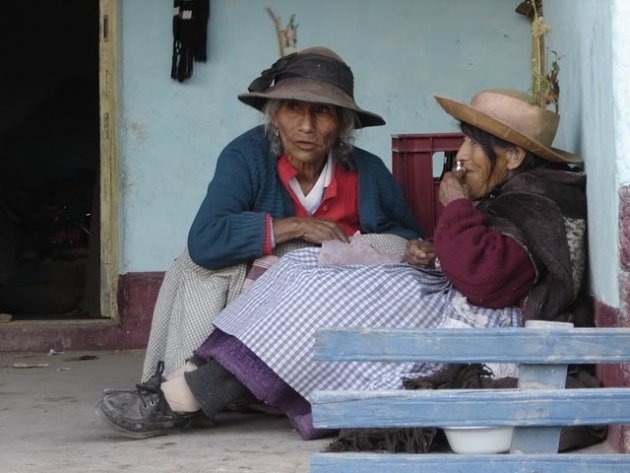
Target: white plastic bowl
x: 479, y: 439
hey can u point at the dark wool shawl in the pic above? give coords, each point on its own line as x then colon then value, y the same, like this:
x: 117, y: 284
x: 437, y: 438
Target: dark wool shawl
x: 532, y: 208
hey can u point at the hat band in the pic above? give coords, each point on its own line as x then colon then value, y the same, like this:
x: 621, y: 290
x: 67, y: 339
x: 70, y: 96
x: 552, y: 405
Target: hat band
x: 308, y: 66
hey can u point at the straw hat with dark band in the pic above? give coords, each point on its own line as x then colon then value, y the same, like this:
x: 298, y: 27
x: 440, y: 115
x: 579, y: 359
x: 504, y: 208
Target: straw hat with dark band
x: 311, y: 75
x: 510, y: 115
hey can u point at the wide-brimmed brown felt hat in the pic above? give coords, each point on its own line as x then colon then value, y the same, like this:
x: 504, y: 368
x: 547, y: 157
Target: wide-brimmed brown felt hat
x: 510, y: 115
x: 316, y: 75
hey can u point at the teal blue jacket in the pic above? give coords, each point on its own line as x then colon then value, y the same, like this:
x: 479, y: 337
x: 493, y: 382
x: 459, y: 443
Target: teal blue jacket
x: 230, y: 225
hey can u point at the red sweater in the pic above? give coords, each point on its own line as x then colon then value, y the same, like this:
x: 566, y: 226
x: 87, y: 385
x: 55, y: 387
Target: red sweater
x: 339, y: 203
x: 489, y: 268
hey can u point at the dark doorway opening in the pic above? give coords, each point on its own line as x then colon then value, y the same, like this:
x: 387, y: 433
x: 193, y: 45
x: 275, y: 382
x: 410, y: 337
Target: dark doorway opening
x: 49, y: 159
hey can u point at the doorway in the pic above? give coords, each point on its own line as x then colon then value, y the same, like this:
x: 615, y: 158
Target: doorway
x: 50, y: 160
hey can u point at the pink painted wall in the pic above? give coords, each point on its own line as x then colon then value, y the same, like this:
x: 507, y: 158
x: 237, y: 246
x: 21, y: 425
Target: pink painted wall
x: 137, y: 293
x: 618, y: 375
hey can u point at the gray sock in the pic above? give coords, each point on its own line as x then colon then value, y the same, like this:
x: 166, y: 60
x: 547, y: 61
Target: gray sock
x: 214, y: 387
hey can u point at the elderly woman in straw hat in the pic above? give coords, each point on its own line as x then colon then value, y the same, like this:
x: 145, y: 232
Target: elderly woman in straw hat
x: 296, y: 180
x: 509, y: 244
x: 515, y: 213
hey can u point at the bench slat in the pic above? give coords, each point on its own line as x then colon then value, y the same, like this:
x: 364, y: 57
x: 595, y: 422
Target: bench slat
x: 443, y: 408
x: 503, y: 345
x: 456, y: 463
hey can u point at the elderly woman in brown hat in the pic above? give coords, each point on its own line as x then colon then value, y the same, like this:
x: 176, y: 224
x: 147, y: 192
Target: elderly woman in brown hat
x: 508, y: 247
x: 514, y: 221
x: 293, y: 181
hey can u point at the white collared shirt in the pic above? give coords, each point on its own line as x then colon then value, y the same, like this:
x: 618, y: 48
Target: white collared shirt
x: 311, y: 201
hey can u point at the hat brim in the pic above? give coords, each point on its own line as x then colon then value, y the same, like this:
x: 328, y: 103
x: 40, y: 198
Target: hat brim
x: 467, y: 114
x: 308, y: 90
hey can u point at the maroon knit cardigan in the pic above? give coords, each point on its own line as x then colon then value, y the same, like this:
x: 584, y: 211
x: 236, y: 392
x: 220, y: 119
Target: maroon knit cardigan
x: 522, y: 228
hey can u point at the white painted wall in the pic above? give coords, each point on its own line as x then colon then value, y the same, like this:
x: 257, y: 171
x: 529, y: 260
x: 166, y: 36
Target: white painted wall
x: 401, y: 51
x: 620, y: 13
x: 593, y: 38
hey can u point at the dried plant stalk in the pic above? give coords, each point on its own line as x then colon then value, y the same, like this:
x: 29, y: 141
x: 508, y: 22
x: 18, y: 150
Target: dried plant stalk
x: 539, y: 56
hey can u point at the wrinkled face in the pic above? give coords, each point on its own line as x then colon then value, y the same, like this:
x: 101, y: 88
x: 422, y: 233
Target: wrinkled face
x: 480, y: 177
x: 307, y: 130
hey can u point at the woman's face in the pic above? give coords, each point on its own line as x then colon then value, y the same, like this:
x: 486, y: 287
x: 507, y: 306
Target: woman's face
x: 479, y: 175
x: 307, y: 130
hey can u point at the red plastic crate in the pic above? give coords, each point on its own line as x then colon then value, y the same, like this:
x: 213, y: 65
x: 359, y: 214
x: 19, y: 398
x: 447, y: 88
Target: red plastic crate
x: 412, y: 166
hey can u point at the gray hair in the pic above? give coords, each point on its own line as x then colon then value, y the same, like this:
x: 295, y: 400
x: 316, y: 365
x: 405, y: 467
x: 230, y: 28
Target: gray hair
x: 342, y: 150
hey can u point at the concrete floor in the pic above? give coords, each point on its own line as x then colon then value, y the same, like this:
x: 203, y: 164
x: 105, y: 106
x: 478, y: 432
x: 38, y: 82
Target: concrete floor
x: 47, y: 424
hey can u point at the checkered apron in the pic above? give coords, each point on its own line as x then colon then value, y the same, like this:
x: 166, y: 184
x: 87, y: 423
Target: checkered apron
x: 278, y: 316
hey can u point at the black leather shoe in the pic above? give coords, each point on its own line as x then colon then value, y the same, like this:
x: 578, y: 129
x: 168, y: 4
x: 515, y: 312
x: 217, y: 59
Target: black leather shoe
x: 143, y: 412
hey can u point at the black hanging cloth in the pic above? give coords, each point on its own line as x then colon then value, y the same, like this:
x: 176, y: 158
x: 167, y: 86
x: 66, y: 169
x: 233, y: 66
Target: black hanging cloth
x: 190, y: 22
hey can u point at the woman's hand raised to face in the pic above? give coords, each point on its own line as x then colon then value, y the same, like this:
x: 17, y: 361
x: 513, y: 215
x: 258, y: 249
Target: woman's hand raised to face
x: 311, y: 229
x: 419, y: 253
x: 453, y: 187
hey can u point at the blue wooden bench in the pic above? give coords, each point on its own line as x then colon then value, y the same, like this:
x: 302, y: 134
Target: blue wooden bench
x: 538, y: 408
